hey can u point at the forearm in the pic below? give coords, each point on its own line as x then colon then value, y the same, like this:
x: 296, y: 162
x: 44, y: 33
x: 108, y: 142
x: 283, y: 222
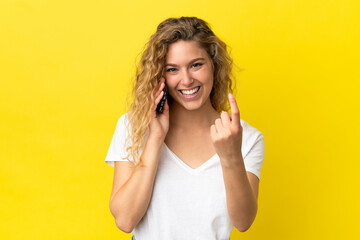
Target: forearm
x: 240, y: 198
x: 131, y: 201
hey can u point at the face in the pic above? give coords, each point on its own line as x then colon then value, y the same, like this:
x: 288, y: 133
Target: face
x: 189, y: 75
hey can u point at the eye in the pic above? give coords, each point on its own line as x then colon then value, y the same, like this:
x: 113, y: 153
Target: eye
x: 171, y: 69
x: 197, y: 64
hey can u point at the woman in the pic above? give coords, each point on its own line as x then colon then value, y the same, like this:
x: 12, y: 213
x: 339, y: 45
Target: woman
x: 192, y: 171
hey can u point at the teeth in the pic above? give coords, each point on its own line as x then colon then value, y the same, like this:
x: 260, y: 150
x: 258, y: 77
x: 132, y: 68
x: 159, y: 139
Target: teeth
x: 189, y: 92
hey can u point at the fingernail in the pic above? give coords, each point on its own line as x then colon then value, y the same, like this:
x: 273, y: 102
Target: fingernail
x: 230, y: 95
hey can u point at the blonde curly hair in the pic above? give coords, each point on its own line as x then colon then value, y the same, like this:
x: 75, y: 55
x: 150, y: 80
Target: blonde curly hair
x: 151, y: 69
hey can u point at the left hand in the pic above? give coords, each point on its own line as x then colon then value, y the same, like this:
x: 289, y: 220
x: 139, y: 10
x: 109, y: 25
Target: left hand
x: 226, y: 135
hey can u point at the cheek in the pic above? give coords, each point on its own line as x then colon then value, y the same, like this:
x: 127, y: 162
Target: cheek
x: 170, y: 81
x: 205, y: 76
x: 171, y: 84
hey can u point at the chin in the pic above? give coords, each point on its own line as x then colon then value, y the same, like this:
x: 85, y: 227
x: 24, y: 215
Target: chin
x: 192, y: 106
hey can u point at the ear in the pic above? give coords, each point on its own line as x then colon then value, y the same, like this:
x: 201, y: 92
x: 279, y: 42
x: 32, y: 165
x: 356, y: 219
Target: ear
x: 212, y: 65
x: 212, y: 50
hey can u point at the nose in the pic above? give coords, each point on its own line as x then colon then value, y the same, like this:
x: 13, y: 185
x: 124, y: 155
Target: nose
x: 187, y: 78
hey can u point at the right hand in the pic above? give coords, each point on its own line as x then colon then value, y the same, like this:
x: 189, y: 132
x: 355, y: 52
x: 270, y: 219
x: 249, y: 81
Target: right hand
x: 159, y: 124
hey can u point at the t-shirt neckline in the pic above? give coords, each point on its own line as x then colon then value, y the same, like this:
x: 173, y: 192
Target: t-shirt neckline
x: 187, y: 167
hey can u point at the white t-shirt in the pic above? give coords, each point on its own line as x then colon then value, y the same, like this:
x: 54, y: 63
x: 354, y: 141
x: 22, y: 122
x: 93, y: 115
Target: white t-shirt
x: 188, y: 203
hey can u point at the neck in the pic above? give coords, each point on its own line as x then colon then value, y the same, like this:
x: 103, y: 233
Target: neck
x: 192, y: 120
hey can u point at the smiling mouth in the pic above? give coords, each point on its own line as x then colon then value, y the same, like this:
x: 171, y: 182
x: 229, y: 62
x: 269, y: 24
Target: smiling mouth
x: 190, y: 92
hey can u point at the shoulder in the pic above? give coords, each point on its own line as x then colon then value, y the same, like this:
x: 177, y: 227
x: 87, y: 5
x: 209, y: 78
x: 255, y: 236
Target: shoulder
x: 251, y: 135
x: 124, y: 117
x: 126, y: 127
x: 123, y: 121
x: 248, y: 130
x: 122, y: 125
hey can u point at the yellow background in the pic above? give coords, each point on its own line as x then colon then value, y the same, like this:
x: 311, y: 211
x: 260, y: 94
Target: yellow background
x: 65, y: 70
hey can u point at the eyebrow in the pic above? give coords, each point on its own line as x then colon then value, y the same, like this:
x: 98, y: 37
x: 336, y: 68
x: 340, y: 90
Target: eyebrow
x: 194, y: 60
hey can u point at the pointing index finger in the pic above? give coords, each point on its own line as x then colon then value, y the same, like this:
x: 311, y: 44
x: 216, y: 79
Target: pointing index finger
x: 235, y: 114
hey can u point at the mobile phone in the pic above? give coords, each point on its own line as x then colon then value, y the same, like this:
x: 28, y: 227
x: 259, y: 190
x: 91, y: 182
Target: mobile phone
x: 160, y: 106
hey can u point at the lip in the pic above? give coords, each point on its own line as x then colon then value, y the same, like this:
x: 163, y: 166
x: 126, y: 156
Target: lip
x: 192, y: 96
x: 189, y: 89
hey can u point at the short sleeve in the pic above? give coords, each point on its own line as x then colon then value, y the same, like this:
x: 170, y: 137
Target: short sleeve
x: 254, y: 159
x: 116, y: 150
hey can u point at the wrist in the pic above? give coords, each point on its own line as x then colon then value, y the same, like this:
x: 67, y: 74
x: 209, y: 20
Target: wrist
x: 155, y: 140
x: 233, y: 162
